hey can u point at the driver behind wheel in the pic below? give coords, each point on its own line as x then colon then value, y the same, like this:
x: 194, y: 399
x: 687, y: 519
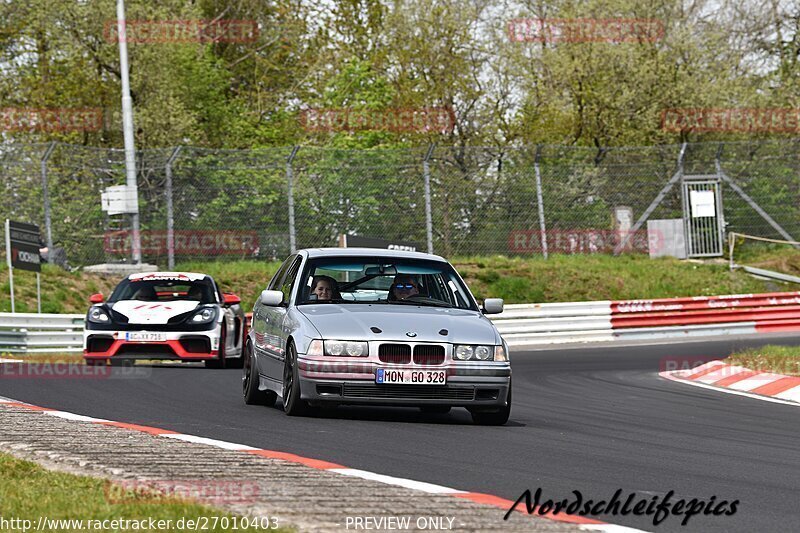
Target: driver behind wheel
x: 404, y: 287
x: 325, y: 288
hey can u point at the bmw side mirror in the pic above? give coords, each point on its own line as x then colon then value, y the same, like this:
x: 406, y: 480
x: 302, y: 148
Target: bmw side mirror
x: 96, y: 298
x: 492, y: 306
x: 271, y: 298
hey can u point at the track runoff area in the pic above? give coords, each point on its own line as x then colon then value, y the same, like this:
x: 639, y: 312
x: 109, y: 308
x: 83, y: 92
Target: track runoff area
x: 589, y: 424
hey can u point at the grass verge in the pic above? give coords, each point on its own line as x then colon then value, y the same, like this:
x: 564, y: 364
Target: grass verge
x: 28, y: 491
x: 777, y: 359
x: 54, y: 357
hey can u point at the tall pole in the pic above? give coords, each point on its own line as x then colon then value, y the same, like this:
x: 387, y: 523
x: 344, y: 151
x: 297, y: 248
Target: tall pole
x: 426, y: 169
x: 539, y: 201
x: 127, y: 130
x: 10, y: 267
x: 170, y: 212
x: 48, y: 231
x: 290, y: 191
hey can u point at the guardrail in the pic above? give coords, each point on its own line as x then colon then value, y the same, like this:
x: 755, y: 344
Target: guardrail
x: 603, y: 321
x: 521, y: 324
x: 46, y: 332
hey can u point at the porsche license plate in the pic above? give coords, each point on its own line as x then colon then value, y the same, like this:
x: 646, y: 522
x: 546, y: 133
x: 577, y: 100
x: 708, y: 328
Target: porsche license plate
x: 145, y: 336
x: 411, y: 377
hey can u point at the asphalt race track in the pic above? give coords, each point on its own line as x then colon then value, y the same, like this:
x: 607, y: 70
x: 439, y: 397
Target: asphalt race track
x: 589, y: 419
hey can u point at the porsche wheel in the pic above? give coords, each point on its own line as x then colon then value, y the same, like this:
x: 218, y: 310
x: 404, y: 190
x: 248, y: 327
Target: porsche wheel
x: 219, y: 362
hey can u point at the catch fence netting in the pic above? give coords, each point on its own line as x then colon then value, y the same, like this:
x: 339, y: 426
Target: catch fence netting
x: 260, y: 204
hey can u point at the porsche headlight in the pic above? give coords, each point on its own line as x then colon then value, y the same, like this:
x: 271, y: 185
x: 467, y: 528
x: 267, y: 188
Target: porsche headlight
x: 204, y: 315
x: 338, y: 348
x: 98, y: 315
x: 472, y: 352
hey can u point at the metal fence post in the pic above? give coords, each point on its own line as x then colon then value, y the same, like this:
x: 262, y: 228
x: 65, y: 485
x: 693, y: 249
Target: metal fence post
x: 48, y: 229
x: 426, y: 169
x: 170, y: 210
x: 290, y: 186
x: 540, y: 204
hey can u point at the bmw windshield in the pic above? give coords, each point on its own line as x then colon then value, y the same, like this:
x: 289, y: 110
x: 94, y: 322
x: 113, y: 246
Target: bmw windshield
x: 354, y: 280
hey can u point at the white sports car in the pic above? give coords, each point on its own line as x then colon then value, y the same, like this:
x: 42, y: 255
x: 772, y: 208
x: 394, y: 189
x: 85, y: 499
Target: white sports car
x: 165, y: 315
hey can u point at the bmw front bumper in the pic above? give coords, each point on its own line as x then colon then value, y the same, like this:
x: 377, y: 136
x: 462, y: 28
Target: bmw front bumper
x: 338, y: 380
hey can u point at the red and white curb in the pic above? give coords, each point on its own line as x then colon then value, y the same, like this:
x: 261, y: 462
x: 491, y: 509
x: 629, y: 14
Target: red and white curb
x: 741, y: 381
x: 586, y: 524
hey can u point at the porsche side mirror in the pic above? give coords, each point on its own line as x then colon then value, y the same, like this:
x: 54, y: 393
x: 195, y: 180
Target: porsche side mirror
x: 96, y: 298
x: 231, y: 299
x: 492, y: 306
x: 271, y: 298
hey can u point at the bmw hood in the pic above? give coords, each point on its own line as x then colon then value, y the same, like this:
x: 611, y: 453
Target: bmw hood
x: 400, y: 323
x: 139, y: 312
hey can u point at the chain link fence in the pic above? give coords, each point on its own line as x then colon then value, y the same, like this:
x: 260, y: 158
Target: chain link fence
x: 261, y: 204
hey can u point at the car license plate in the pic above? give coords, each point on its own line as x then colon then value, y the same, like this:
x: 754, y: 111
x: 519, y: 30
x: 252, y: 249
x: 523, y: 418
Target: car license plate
x: 411, y: 377
x: 145, y: 336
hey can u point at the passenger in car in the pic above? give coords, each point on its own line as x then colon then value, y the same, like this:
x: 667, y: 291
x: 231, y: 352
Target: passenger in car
x: 195, y: 292
x: 326, y: 288
x: 146, y: 293
x: 403, y: 287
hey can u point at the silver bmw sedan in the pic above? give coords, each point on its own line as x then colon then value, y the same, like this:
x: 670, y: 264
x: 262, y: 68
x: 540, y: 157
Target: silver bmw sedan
x: 381, y: 327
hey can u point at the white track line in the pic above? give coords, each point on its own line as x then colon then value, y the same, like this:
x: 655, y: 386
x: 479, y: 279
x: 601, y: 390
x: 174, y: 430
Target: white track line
x: 401, y: 482
x: 209, y: 442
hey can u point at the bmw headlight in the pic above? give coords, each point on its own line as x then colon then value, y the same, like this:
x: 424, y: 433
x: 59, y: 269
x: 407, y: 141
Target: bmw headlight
x: 472, y: 352
x: 98, y: 315
x: 463, y: 352
x: 483, y: 353
x: 338, y: 348
x: 204, y: 315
